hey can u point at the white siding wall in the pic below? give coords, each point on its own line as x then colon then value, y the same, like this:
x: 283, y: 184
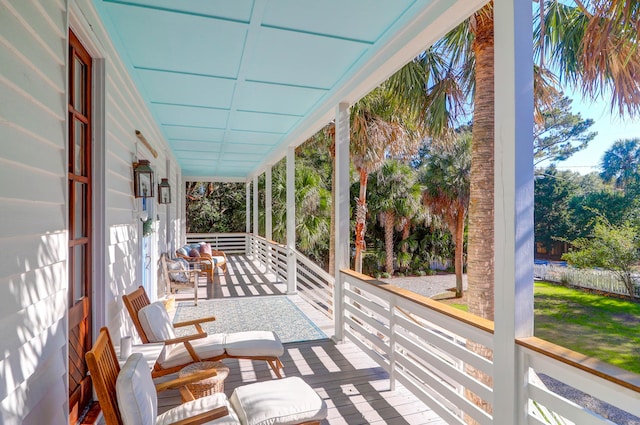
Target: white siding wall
x: 33, y: 209
x: 125, y: 112
x: 33, y: 238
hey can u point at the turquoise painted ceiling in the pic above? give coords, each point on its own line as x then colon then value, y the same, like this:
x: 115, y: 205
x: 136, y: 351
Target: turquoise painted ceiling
x: 231, y: 83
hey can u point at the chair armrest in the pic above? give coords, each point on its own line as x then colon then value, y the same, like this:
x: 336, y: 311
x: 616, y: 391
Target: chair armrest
x: 190, y: 271
x: 183, y: 339
x: 189, y: 379
x: 203, y: 418
x: 194, y: 321
x: 219, y: 254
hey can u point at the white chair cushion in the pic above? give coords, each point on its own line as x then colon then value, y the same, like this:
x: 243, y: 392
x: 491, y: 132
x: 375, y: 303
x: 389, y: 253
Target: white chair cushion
x: 279, y: 402
x: 156, y: 322
x: 201, y: 405
x: 253, y: 343
x: 218, y: 259
x: 206, y: 348
x: 136, y: 393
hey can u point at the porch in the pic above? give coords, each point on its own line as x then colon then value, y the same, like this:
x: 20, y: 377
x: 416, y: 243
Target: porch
x: 356, y: 389
x: 404, y: 358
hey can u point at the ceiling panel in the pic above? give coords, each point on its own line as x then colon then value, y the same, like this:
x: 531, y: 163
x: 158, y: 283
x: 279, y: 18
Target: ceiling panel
x: 335, y: 17
x: 191, y: 116
x: 275, y: 98
x: 186, y: 89
x: 300, y: 59
x: 179, y: 132
x: 161, y: 40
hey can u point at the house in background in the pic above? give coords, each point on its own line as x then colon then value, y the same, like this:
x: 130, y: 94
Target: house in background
x: 204, y: 91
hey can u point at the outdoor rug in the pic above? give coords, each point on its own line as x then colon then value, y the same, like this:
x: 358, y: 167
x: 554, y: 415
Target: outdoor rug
x: 272, y: 313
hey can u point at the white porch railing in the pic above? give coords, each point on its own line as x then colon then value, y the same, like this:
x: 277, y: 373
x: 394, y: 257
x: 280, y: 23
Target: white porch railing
x: 422, y: 344
x: 231, y: 243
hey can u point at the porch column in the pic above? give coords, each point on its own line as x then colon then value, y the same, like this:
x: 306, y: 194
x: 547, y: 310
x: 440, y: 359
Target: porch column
x: 342, y: 246
x: 514, y: 241
x: 255, y: 206
x: 268, y: 205
x: 247, y: 187
x: 291, y: 220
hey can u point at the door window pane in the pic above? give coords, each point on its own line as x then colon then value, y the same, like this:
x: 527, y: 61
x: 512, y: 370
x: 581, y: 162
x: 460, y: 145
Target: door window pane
x: 79, y: 274
x: 79, y: 149
x: 80, y: 230
x: 79, y: 84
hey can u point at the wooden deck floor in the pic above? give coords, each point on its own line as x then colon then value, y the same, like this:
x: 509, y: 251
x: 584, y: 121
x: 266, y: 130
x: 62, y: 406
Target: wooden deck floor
x: 354, y: 387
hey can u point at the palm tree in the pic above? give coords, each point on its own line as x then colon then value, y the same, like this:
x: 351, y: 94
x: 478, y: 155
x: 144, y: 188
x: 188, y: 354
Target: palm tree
x: 397, y: 196
x: 592, y: 47
x: 312, y: 200
x: 446, y: 180
x: 379, y: 127
x: 620, y: 163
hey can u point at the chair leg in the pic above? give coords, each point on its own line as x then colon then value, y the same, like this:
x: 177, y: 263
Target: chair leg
x: 276, y: 366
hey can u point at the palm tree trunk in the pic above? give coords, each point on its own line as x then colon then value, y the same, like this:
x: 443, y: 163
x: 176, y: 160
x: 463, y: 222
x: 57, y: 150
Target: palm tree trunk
x: 480, y: 266
x: 459, y: 256
x: 389, y: 221
x: 361, y: 219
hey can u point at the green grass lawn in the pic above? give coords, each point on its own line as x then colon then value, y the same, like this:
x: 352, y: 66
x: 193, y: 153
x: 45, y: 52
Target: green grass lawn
x: 595, y: 325
x: 603, y: 327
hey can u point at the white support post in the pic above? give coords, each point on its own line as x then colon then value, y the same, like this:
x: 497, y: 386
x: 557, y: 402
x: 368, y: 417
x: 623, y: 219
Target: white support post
x: 268, y: 219
x: 256, y: 228
x: 514, y: 241
x: 268, y: 205
x: 342, y: 198
x: 291, y: 221
x: 247, y: 248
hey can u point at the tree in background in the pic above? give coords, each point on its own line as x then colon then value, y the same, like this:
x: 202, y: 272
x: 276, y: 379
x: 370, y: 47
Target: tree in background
x: 553, y: 192
x: 611, y: 247
x: 620, y: 163
x: 396, y: 196
x: 559, y: 133
x: 380, y: 127
x: 446, y: 178
x: 215, y: 207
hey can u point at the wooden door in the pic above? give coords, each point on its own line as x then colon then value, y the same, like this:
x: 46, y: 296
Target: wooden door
x: 79, y: 180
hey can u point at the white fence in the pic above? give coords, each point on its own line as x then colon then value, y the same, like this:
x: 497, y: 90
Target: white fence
x: 601, y: 280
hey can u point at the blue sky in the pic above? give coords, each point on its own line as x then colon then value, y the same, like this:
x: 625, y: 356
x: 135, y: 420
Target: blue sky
x: 610, y: 127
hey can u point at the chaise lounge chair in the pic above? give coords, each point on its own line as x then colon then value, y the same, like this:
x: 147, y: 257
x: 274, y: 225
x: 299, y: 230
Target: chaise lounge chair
x: 154, y: 325
x: 128, y: 396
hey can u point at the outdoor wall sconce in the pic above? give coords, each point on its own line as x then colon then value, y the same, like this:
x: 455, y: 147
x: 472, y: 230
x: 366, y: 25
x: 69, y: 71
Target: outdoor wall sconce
x: 164, y: 192
x: 142, y: 179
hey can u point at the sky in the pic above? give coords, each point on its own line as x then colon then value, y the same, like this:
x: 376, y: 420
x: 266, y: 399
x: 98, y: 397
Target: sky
x: 610, y: 127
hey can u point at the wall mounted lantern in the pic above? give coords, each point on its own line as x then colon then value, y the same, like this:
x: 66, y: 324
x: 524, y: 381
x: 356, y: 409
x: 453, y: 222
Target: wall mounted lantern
x: 164, y: 192
x: 142, y: 179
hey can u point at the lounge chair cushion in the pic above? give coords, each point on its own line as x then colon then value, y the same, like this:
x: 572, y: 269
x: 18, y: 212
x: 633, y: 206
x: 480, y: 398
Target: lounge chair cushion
x: 178, y: 265
x: 218, y: 259
x: 156, y: 322
x: 201, y: 405
x: 206, y: 348
x: 253, y: 344
x: 136, y: 393
x: 279, y: 402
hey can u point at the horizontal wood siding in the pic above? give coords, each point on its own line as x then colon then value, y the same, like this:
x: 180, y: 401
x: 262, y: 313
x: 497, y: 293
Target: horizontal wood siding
x: 33, y: 238
x: 125, y: 112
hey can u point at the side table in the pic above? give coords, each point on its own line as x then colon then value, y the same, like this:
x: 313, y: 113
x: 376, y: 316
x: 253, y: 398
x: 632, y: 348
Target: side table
x: 207, y: 386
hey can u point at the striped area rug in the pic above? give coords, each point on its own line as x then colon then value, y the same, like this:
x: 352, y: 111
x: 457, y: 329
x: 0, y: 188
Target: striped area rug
x: 269, y: 313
